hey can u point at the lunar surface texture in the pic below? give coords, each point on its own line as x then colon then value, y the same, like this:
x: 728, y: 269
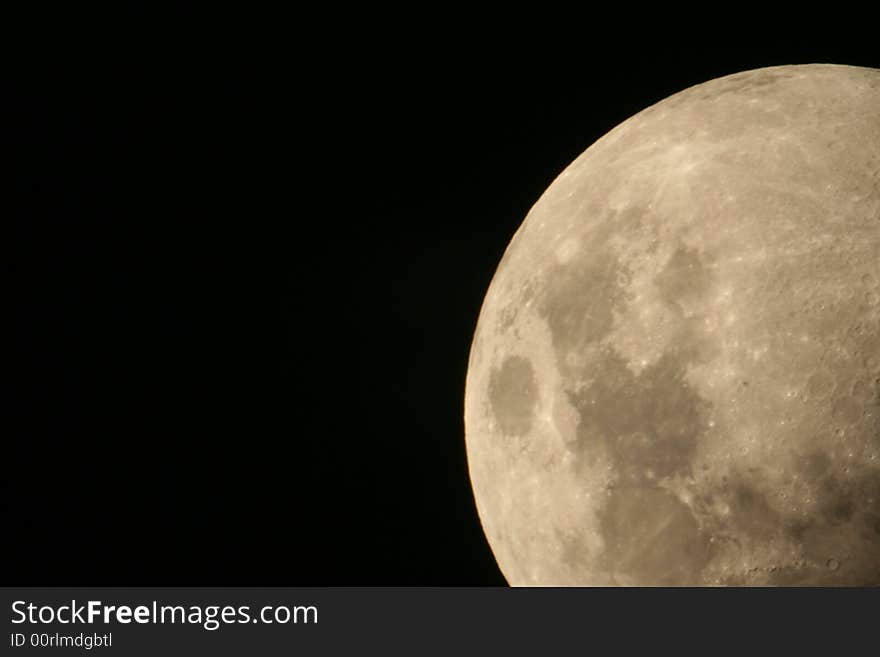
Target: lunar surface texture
x: 675, y: 375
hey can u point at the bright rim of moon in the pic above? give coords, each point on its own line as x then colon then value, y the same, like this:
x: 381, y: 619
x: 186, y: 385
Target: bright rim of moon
x: 675, y: 375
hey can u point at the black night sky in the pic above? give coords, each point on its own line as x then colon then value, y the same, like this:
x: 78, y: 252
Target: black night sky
x: 245, y: 270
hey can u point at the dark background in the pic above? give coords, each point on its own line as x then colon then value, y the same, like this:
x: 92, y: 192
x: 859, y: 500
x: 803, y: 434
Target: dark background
x: 247, y: 257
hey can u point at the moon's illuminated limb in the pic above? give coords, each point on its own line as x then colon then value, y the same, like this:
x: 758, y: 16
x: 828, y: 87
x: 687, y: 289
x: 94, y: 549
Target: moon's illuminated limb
x: 674, y: 377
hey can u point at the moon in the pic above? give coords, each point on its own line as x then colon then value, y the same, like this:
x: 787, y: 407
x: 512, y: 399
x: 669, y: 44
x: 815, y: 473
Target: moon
x: 675, y: 375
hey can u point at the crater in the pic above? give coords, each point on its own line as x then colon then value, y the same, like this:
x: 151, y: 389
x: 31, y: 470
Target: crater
x: 513, y: 394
